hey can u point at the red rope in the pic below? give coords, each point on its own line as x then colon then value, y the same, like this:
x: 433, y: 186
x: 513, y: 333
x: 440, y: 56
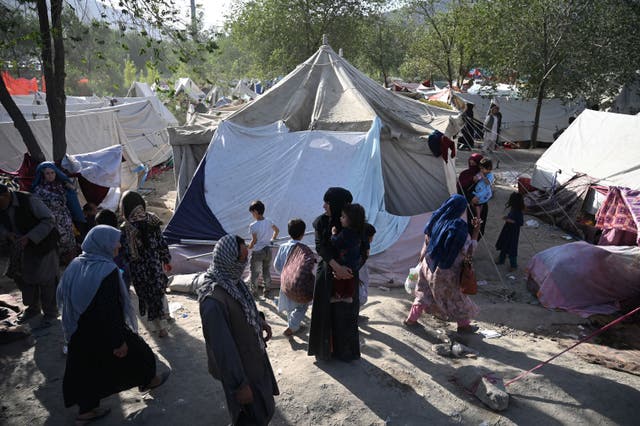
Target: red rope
x: 595, y: 333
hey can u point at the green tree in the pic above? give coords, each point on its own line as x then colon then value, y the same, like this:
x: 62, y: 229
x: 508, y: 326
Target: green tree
x: 383, y: 39
x: 563, y: 48
x: 129, y: 73
x: 94, y: 47
x: 446, y: 40
x: 276, y: 35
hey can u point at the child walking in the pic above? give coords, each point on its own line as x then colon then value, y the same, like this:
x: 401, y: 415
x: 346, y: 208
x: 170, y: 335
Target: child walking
x: 484, y: 185
x: 348, y: 244
x: 262, y: 231
x: 507, y: 242
x: 295, y: 262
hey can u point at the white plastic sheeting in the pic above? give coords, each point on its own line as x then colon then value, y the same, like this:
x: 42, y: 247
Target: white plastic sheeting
x: 290, y: 172
x: 100, y: 167
x: 603, y: 145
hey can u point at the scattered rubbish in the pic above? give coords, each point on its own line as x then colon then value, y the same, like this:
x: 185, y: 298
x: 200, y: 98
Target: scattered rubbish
x: 482, y: 282
x: 412, y: 279
x: 279, y: 371
x: 180, y: 401
x: 383, y: 288
x: 532, y: 223
x: 511, y: 277
x: 454, y: 350
x: 490, y: 334
x: 567, y: 237
x: 570, y: 336
x: 174, y: 306
x: 185, y: 315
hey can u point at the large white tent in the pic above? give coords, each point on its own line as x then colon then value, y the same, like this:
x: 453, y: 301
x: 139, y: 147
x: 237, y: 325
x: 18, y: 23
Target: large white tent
x: 325, y: 124
x: 326, y: 92
x: 602, y: 145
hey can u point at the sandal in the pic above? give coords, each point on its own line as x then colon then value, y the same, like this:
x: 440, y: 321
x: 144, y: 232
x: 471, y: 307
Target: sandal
x: 98, y: 413
x: 163, y: 378
x: 409, y: 323
x: 288, y: 332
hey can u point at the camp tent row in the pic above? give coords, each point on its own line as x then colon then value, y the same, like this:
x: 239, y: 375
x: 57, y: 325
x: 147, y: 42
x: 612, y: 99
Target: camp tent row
x: 112, y: 144
x: 325, y: 124
x: 144, y: 121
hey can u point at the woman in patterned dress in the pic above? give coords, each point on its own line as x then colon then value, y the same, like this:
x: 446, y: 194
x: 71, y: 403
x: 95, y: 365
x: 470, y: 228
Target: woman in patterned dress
x: 147, y: 255
x: 53, y: 187
x: 447, y: 242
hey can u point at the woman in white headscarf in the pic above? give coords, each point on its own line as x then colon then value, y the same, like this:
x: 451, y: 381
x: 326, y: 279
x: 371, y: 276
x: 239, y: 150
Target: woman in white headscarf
x: 106, y: 355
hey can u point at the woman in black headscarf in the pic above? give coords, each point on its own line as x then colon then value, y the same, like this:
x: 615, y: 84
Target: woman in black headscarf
x: 334, y: 326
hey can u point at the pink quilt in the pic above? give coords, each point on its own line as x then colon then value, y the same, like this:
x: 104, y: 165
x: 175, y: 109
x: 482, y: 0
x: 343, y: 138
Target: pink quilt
x: 585, y: 279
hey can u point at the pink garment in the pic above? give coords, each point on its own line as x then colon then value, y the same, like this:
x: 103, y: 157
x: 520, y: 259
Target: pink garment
x: 418, y: 309
x: 620, y: 211
x: 585, y: 279
x: 438, y: 293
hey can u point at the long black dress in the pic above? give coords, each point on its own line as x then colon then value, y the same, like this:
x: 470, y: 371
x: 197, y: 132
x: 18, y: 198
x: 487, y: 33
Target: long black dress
x: 93, y: 372
x: 334, y: 326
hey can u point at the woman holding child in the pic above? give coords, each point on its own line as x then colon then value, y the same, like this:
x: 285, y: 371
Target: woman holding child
x: 334, y: 326
x: 446, y: 245
x: 466, y: 186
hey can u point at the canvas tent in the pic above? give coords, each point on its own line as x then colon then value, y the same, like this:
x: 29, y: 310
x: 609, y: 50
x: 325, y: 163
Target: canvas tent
x: 628, y: 100
x: 596, y: 158
x: 602, y: 145
x: 243, y: 91
x: 189, y: 144
x: 323, y: 125
x: 86, y: 133
x: 518, y: 115
x: 187, y: 86
x: 328, y: 93
x: 140, y: 90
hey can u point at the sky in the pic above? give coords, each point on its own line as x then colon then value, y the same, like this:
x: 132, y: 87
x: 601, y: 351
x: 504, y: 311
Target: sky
x: 214, y: 10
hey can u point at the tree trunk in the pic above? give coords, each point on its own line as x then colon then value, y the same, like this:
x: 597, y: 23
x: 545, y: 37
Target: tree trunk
x: 536, y: 120
x: 20, y: 123
x: 53, y: 66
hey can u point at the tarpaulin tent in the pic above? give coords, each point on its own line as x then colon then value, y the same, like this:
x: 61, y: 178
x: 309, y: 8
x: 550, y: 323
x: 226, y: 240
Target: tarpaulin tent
x: 602, y: 145
x: 189, y: 144
x: 328, y: 93
x: 86, y: 133
x: 187, y: 86
x: 326, y: 131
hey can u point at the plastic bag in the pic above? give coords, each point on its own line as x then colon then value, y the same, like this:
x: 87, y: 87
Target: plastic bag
x: 412, y: 279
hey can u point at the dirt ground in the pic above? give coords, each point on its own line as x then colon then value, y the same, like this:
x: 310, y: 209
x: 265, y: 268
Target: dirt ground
x: 399, y: 380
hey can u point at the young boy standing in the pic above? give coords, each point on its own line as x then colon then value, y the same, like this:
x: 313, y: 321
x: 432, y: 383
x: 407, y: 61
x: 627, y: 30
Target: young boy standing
x: 262, y: 232
x: 295, y: 262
